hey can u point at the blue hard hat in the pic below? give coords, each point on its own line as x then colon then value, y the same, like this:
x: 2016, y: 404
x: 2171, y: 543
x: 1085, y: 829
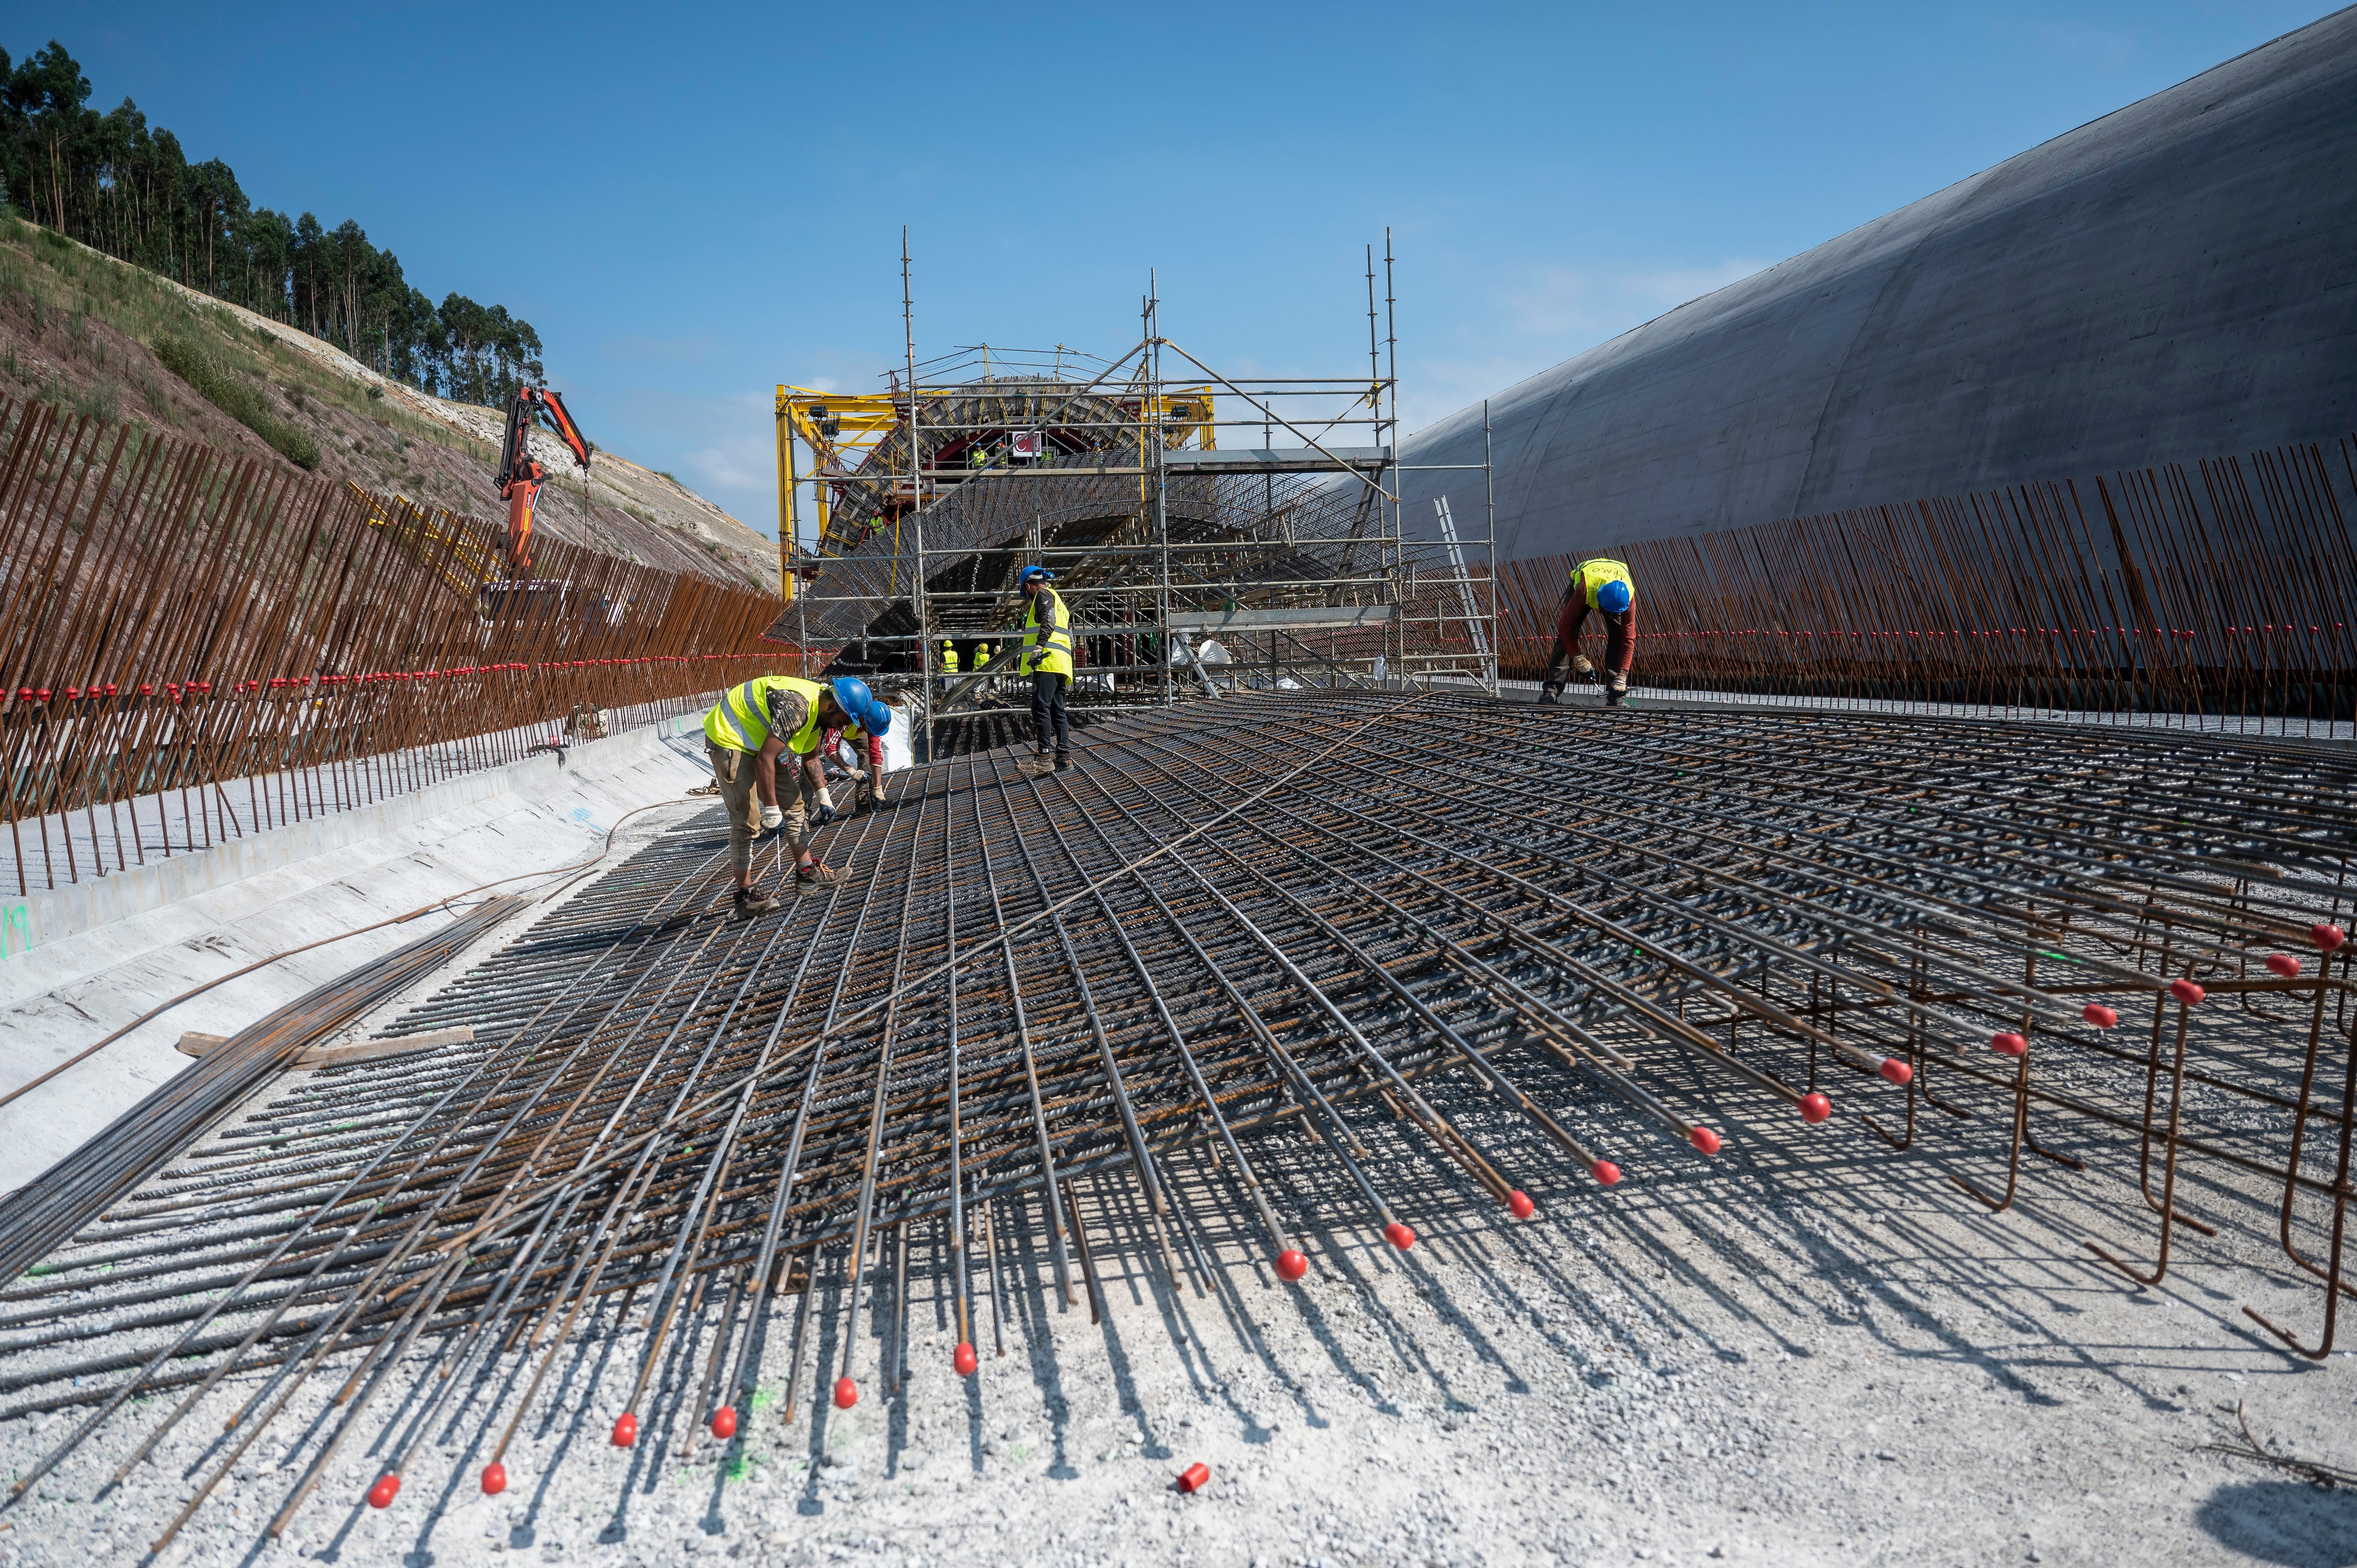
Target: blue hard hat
x: 1038, y: 574
x: 859, y: 704
x: 1613, y: 597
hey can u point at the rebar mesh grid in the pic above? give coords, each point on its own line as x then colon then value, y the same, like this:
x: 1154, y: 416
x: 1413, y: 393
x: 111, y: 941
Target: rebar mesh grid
x: 1273, y: 913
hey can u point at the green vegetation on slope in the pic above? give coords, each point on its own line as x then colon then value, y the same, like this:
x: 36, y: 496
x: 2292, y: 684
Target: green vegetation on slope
x: 83, y: 331
x: 120, y: 187
x: 236, y: 396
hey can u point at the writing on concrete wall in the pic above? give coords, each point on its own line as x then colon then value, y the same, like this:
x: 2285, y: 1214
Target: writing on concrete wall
x: 16, y: 929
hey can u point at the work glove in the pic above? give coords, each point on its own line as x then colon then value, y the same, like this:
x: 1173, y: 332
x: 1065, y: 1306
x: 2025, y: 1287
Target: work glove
x: 771, y: 819
x: 825, y: 811
x: 1580, y: 666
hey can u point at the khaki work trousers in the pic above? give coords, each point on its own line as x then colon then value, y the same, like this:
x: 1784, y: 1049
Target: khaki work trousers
x: 733, y: 771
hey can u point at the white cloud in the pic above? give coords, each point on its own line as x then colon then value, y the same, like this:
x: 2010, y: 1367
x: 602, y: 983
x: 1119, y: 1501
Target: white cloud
x: 2081, y: 43
x: 1558, y: 302
x: 1673, y: 287
x: 1432, y: 389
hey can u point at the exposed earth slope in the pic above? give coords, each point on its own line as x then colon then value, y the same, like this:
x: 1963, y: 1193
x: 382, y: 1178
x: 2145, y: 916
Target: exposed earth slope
x: 80, y: 328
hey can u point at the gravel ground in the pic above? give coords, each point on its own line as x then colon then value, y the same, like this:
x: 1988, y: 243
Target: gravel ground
x: 1809, y: 1347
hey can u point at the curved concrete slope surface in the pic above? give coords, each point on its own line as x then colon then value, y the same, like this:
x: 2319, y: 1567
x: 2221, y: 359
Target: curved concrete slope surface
x: 2175, y: 280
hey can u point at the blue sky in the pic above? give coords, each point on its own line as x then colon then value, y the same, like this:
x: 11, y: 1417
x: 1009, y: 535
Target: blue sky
x: 694, y: 203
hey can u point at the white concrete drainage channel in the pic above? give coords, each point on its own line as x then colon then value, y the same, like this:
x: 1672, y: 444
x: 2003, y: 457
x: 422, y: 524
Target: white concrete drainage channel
x: 102, y: 954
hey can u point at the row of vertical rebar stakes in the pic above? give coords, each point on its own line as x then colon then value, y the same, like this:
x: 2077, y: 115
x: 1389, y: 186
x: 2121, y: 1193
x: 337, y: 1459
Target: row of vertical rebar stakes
x: 2221, y: 591
x: 196, y: 646
x: 1101, y: 990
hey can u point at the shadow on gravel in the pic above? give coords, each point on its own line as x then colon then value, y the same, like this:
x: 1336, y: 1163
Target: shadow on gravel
x: 2290, y: 1522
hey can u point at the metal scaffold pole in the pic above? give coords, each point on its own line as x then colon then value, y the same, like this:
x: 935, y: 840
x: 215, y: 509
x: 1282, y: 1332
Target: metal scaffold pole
x: 1191, y: 567
x: 922, y: 708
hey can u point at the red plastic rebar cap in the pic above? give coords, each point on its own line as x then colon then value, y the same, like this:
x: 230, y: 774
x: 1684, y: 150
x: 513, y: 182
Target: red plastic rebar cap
x: 387, y: 1488
x: 2327, y: 935
x: 2283, y: 965
x: 1195, y: 1478
x: 1519, y: 1203
x: 1896, y: 1072
x: 1291, y: 1265
x: 2009, y: 1045
x: 846, y: 1393
x: 626, y: 1430
x: 1815, y: 1108
x: 1399, y: 1235
x: 495, y: 1478
x: 2186, y: 991
x: 2098, y: 1015
x: 964, y: 1360
x: 1704, y: 1139
x: 1606, y: 1173
x: 723, y: 1423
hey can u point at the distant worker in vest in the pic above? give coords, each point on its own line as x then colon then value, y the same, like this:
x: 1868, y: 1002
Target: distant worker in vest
x: 745, y: 734
x: 1048, y: 660
x: 1602, y: 585
x: 949, y: 662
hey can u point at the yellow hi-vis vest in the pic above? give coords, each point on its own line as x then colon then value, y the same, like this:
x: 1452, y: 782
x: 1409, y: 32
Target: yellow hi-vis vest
x: 949, y: 658
x: 1595, y: 574
x: 1054, y: 655
x: 740, y: 720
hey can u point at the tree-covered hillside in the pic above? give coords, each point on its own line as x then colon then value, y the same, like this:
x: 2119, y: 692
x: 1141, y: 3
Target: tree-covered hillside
x: 122, y: 186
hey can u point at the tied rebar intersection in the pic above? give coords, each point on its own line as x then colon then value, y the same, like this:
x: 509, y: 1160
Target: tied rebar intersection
x: 1277, y: 916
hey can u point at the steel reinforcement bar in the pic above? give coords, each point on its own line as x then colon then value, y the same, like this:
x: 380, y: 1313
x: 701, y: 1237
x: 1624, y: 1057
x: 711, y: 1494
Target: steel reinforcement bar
x: 1032, y: 997
x: 2226, y: 590
x: 195, y: 647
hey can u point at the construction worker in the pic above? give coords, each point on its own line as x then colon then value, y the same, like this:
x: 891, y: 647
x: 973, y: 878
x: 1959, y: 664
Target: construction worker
x: 744, y: 734
x: 847, y: 748
x: 1603, y: 585
x: 949, y: 657
x: 1048, y: 660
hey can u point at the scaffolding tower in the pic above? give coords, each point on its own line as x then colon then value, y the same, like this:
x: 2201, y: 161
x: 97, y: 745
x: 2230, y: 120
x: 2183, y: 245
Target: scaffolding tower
x: 1207, y: 532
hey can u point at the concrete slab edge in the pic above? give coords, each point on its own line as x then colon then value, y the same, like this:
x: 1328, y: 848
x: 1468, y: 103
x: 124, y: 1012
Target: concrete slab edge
x: 52, y: 915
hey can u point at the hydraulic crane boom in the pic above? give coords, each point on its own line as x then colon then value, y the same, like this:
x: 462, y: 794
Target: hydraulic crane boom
x: 521, y: 474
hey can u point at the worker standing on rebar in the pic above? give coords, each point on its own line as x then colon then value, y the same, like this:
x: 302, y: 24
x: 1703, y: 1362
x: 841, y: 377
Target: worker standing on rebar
x: 949, y: 662
x: 1048, y: 660
x: 1603, y: 585
x: 744, y: 734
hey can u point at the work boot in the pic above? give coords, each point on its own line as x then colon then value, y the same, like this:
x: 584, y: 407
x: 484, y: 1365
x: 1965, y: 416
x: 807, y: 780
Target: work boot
x: 1551, y: 693
x: 1063, y: 762
x: 752, y: 901
x: 1038, y: 767
x: 817, y: 873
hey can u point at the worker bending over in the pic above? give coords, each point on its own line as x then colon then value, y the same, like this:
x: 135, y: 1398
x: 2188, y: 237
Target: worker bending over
x: 867, y: 783
x: 1602, y: 585
x: 746, y: 733
x: 1047, y: 660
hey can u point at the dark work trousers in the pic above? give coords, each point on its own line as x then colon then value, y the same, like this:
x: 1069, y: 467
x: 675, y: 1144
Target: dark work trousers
x: 1619, y: 639
x: 1048, y: 710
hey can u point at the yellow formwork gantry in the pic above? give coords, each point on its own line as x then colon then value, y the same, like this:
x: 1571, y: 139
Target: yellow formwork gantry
x: 841, y: 429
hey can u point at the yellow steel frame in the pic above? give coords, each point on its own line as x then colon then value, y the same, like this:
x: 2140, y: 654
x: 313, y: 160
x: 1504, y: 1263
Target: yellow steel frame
x: 418, y: 525
x: 860, y: 422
